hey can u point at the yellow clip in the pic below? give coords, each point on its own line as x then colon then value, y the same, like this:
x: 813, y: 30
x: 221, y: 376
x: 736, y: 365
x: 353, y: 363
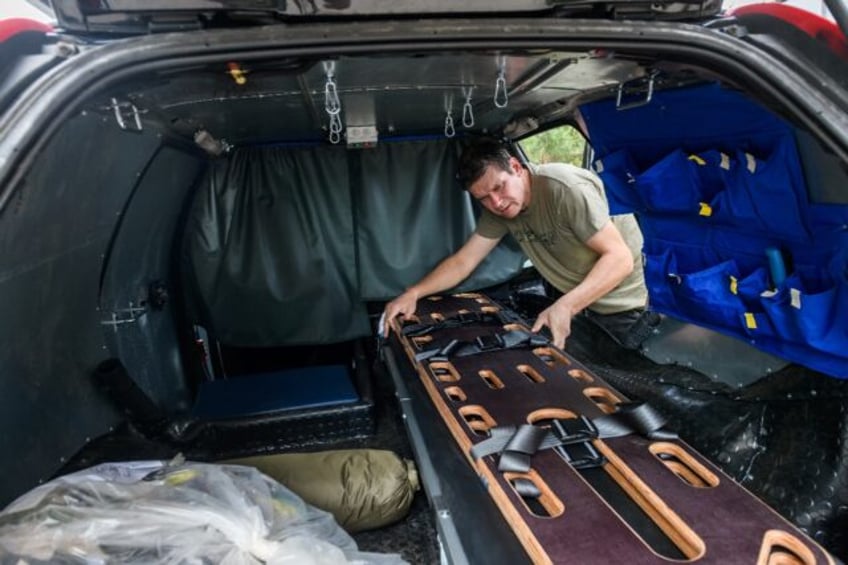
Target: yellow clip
x: 706, y: 209
x: 239, y: 75
x: 734, y: 285
x: 697, y: 160
x: 750, y: 321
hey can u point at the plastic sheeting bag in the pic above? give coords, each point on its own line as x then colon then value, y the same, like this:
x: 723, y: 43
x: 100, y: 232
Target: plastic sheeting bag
x: 149, y: 512
x: 362, y: 488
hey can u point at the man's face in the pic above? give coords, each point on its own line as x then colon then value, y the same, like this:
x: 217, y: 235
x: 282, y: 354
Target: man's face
x: 504, y: 193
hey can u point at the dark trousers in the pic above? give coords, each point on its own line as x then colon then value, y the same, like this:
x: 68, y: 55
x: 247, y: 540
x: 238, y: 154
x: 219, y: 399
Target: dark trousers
x: 629, y: 328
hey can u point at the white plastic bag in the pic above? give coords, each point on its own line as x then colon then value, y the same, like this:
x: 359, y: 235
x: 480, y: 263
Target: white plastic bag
x: 150, y: 512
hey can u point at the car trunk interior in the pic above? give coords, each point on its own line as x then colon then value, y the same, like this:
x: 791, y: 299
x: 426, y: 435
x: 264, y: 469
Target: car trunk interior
x: 195, y: 258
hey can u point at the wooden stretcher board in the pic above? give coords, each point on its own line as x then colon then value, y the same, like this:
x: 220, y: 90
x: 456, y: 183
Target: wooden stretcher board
x: 706, y: 515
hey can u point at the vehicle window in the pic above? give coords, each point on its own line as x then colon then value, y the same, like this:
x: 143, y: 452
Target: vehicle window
x: 558, y: 145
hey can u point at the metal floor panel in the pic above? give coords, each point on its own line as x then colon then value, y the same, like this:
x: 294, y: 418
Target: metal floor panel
x: 720, y: 357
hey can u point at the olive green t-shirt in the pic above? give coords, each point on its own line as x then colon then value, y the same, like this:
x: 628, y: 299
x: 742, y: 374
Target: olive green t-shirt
x: 567, y: 207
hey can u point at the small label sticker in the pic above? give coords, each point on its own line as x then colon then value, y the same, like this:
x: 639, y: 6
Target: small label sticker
x: 599, y: 166
x: 734, y: 285
x: 795, y: 298
x: 752, y: 162
x: 697, y: 159
x: 705, y: 209
x: 725, y: 161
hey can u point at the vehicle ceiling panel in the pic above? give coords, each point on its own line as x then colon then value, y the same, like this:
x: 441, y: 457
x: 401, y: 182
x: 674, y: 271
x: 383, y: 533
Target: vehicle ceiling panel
x: 401, y: 95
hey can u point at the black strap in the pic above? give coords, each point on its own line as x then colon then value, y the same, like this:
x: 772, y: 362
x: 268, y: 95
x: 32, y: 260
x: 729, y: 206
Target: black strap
x: 633, y: 417
x: 514, y: 443
x: 513, y: 339
x: 526, y: 488
x: 457, y: 321
x: 570, y: 437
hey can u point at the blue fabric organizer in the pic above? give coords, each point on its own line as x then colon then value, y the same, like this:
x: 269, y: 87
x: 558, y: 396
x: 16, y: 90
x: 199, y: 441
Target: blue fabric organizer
x: 279, y: 391
x: 716, y: 181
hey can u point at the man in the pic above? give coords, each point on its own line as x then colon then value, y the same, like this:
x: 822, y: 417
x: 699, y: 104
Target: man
x: 559, y: 215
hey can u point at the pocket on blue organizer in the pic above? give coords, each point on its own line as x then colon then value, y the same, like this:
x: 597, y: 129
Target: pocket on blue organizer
x: 734, y: 205
x: 707, y: 296
x: 659, y: 275
x: 760, y: 194
x: 757, y: 325
x: 820, y: 317
x: 618, y: 172
x: 772, y: 186
x: 712, y: 168
x: 671, y: 185
x: 777, y: 305
x: 813, y: 317
x: 751, y: 287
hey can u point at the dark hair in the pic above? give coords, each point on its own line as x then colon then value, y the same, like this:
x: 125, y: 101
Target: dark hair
x: 477, y: 157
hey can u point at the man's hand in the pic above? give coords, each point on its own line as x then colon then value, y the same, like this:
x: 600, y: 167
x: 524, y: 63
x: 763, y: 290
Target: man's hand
x: 557, y: 317
x: 404, y: 304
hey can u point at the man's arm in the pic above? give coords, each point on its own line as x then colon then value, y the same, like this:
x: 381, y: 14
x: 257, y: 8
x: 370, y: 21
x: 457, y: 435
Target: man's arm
x: 614, y: 264
x: 447, y: 274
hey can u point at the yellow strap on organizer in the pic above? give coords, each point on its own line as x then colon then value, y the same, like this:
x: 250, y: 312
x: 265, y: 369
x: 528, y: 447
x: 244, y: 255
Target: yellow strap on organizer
x: 697, y: 160
x: 734, y: 285
x: 750, y: 321
x: 705, y: 209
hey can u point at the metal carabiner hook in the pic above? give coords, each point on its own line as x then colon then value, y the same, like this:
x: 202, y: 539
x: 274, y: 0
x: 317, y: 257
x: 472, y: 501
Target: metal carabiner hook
x: 332, y: 105
x: 449, y: 129
x: 500, y: 85
x: 500, y: 88
x: 335, y: 128
x: 467, y: 110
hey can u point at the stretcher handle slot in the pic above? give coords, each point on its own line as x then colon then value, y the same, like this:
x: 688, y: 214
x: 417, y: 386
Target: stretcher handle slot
x: 444, y: 372
x: 682, y: 464
x: 551, y: 356
x: 456, y: 394
x: 477, y: 419
x: 544, y: 416
x: 421, y: 340
x: 581, y: 375
x: 783, y: 548
x: 491, y: 379
x: 535, y: 494
x: 603, y: 398
x: 471, y: 295
x: 532, y: 374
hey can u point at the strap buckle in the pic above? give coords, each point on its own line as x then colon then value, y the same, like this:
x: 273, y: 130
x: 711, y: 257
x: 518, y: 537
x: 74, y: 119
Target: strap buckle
x: 574, y: 430
x: 488, y: 342
x: 576, y: 435
x: 468, y: 317
x: 581, y: 455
